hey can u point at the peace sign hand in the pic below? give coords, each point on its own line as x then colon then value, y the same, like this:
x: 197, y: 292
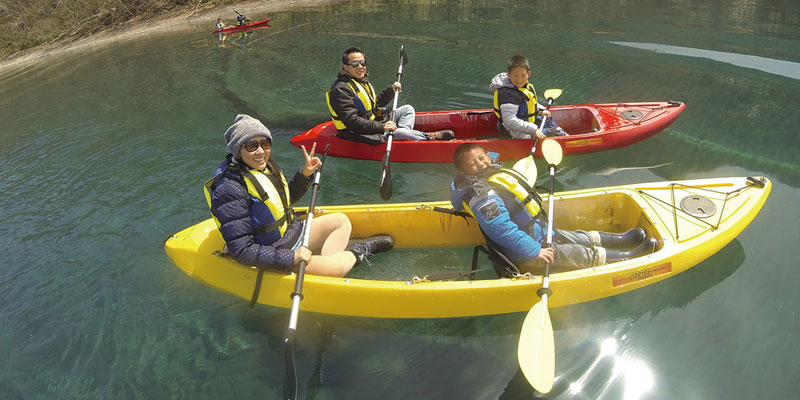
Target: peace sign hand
x: 312, y: 163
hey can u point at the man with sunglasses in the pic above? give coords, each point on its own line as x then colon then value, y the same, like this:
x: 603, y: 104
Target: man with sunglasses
x: 356, y: 109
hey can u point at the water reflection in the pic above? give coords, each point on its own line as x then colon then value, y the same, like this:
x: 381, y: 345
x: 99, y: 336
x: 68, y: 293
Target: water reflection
x: 595, y: 341
x: 237, y: 40
x: 633, y: 374
x: 779, y: 67
x: 597, y: 355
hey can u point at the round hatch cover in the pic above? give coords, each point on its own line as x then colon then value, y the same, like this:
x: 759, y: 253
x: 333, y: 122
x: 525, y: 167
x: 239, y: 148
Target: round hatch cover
x: 698, y: 206
x: 631, y: 114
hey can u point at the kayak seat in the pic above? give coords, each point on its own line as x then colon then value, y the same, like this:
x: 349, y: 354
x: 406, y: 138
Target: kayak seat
x: 576, y: 120
x: 504, y: 267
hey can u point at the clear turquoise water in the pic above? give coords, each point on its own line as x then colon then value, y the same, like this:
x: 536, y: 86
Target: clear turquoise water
x: 103, y: 155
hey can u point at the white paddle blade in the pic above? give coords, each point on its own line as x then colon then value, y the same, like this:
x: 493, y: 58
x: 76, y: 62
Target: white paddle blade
x: 552, y: 151
x: 527, y: 168
x: 536, y: 351
x: 552, y: 93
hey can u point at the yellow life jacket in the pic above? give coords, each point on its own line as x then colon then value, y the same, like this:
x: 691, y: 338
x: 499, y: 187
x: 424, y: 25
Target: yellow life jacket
x: 511, y: 181
x: 515, y: 183
x: 365, y: 102
x: 527, y: 111
x: 270, y: 213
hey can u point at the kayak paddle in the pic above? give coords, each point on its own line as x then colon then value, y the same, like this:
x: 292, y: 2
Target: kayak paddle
x: 536, y: 351
x: 550, y: 95
x: 290, y: 376
x: 386, y: 172
x: 244, y: 18
x: 526, y: 166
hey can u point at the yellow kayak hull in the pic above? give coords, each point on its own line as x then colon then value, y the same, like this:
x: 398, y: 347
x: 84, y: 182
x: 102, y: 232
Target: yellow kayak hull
x: 660, y: 208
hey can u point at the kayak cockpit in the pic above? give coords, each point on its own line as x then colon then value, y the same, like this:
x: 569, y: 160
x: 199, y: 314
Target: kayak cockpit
x: 578, y: 120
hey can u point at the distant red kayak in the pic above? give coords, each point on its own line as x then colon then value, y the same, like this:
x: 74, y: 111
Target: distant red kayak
x: 592, y: 127
x: 239, y: 28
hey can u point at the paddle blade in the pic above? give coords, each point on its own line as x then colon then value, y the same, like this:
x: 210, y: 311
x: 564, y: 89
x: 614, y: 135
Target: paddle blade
x: 536, y: 351
x: 290, y: 375
x: 403, y: 56
x: 552, y: 93
x: 386, y: 178
x: 527, y: 168
x: 552, y: 151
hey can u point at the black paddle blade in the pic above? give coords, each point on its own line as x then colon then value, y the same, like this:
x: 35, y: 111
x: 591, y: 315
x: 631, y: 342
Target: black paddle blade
x: 290, y: 375
x: 386, y: 179
x: 403, y: 55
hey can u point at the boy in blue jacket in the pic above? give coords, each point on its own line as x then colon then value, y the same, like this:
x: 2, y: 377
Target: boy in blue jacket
x: 509, y: 224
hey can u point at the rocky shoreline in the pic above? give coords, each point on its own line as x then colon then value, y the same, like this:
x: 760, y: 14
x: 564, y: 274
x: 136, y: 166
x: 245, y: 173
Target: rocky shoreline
x: 185, y: 19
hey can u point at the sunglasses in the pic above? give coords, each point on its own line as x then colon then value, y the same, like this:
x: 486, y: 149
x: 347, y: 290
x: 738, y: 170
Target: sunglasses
x: 252, y: 145
x: 355, y: 64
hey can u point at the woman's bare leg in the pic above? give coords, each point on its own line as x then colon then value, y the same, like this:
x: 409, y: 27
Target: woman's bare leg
x: 338, y: 264
x: 329, y: 234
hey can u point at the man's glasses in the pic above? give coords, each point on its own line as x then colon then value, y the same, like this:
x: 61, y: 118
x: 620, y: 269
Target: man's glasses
x: 355, y: 64
x: 252, y: 145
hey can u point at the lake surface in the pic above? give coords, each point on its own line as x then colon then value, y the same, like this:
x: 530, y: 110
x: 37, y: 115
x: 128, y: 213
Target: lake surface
x: 103, y: 155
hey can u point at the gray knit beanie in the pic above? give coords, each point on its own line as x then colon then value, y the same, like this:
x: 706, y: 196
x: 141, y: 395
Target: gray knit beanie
x: 243, y: 129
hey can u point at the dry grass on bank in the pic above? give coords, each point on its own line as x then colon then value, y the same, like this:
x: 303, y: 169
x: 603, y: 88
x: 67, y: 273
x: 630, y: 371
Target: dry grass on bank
x: 29, y: 23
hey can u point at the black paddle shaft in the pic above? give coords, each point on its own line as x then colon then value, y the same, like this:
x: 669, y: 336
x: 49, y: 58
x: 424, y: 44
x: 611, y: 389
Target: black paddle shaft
x: 386, y: 171
x: 290, y: 376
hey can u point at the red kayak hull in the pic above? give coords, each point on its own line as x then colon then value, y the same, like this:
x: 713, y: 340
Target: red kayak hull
x: 592, y: 127
x: 239, y: 28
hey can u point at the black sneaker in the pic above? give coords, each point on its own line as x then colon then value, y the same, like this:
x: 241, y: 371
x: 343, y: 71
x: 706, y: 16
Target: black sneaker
x: 370, y: 246
x: 444, y: 135
x: 560, y: 132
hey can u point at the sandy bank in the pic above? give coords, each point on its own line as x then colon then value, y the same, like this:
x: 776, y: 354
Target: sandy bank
x: 133, y: 29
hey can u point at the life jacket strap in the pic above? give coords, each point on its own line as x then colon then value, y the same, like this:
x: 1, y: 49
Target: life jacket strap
x: 288, y: 216
x: 451, y: 211
x: 257, y: 290
x: 504, y: 267
x: 264, y: 229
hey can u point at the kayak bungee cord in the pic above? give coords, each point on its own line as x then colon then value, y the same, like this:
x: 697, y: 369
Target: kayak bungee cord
x: 644, y: 117
x: 751, y: 182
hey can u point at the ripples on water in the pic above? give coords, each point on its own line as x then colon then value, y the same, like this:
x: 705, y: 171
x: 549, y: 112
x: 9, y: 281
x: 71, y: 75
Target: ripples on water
x: 104, y: 154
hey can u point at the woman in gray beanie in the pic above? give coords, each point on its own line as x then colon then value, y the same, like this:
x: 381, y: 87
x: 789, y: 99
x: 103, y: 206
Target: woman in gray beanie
x: 251, y: 201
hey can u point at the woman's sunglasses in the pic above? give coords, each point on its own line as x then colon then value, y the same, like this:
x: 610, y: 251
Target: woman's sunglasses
x: 252, y: 145
x: 355, y: 64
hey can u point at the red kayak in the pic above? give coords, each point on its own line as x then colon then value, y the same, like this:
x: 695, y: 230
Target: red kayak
x: 592, y: 127
x: 239, y: 28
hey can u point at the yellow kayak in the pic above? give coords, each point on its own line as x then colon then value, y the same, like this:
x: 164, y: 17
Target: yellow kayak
x: 692, y: 219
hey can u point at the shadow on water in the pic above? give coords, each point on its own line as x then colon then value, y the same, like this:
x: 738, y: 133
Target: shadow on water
x: 237, y: 103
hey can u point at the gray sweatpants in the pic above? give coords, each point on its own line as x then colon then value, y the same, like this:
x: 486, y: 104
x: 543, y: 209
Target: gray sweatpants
x: 573, y: 250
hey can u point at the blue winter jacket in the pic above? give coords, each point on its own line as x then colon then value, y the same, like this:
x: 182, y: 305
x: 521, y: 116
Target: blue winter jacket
x: 231, y: 204
x: 519, y: 235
